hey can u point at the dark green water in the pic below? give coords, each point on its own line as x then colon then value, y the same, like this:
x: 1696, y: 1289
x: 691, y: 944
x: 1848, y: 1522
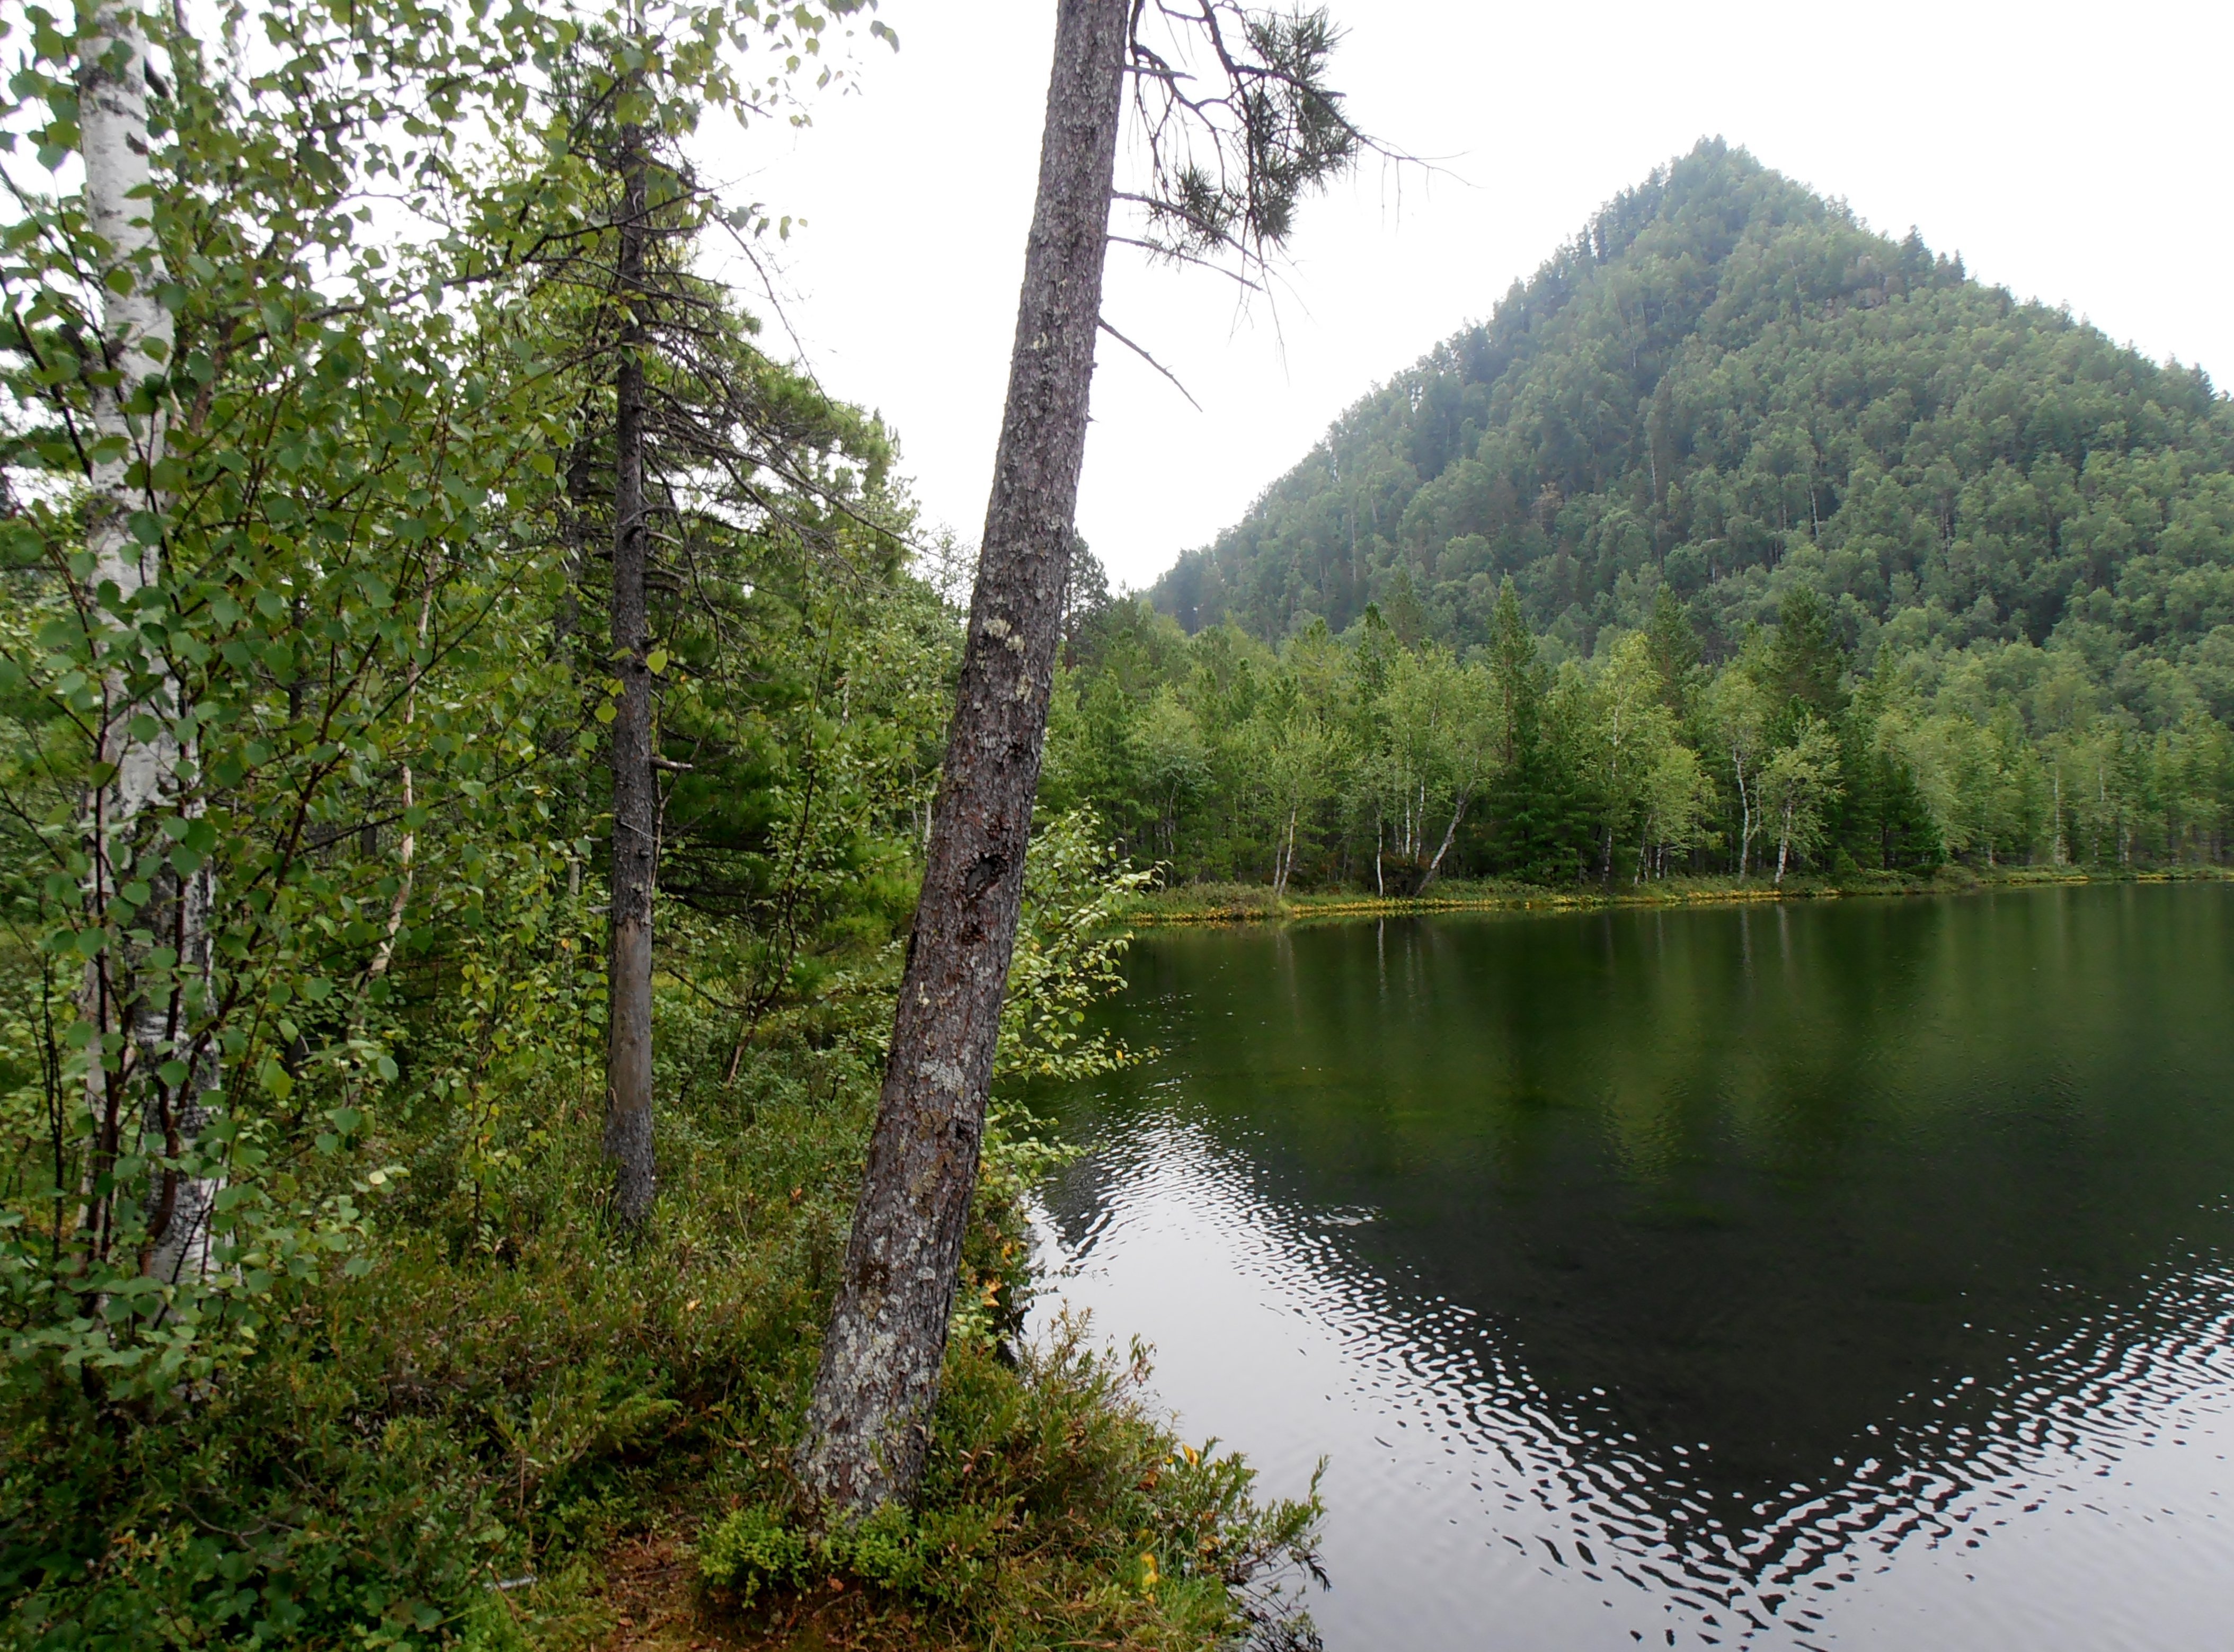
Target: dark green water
x: 1838, y: 1274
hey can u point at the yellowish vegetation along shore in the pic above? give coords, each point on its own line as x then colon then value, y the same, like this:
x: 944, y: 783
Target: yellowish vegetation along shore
x: 1255, y: 903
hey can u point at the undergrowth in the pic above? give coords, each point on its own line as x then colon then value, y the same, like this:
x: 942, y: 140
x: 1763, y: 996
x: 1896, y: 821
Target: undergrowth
x: 445, y: 1451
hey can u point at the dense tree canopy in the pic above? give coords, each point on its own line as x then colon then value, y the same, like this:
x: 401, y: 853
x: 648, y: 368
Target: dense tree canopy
x: 1357, y: 761
x: 1730, y: 385
x: 1739, y: 537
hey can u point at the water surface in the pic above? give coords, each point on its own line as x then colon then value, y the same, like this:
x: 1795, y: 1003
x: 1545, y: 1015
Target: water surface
x: 1855, y: 1273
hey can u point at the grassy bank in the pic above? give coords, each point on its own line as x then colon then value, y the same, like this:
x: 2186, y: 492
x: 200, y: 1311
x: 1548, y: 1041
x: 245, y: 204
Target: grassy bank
x: 514, y: 1430
x: 1255, y: 903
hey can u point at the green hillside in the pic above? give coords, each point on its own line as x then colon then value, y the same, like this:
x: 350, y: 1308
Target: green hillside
x: 1741, y: 538
x: 1729, y: 384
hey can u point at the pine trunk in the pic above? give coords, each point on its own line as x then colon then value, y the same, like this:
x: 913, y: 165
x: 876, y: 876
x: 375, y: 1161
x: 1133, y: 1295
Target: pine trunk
x: 868, y: 1423
x: 628, y: 1046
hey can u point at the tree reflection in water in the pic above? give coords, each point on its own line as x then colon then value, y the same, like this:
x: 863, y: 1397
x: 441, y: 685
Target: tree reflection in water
x: 1774, y: 1277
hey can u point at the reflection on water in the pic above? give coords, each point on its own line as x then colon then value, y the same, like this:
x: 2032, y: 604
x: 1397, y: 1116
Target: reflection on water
x: 1793, y: 1276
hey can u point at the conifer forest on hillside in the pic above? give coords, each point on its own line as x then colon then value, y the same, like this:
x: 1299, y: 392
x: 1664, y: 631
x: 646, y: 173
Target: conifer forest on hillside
x: 1739, y: 537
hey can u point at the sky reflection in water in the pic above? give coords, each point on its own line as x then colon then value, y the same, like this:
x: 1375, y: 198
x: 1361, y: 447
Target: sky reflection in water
x: 1802, y: 1277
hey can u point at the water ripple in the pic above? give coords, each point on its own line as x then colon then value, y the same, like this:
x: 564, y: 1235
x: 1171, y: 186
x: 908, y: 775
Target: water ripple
x: 1449, y: 1395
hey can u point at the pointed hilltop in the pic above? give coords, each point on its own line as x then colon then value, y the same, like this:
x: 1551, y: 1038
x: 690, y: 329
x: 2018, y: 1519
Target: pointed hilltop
x: 1728, y: 383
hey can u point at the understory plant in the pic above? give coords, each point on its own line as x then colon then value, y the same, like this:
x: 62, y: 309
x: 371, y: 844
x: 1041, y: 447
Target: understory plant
x: 449, y: 1445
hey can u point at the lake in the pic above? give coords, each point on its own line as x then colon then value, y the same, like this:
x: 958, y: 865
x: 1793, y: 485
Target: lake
x: 1817, y: 1275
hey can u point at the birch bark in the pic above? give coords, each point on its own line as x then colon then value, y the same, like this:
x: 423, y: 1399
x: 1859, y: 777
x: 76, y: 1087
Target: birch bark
x: 1745, y: 812
x: 145, y: 991
x: 1450, y: 835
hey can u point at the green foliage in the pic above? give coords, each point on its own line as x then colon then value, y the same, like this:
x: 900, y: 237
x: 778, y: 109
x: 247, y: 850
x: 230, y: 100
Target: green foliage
x: 1355, y: 762
x: 502, y: 1391
x: 1933, y: 565
x: 506, y: 1386
x: 1055, y: 1508
x: 357, y: 660
x: 418, y: 1387
x: 1069, y: 954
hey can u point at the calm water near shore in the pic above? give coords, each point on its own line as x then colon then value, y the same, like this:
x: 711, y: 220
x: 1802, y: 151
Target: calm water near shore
x: 1839, y: 1274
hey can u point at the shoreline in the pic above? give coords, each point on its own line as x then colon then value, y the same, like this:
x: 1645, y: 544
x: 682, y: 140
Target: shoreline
x: 1253, y: 903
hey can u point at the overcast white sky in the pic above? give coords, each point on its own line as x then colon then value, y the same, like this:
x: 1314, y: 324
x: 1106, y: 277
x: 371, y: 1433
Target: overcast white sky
x: 2074, y: 153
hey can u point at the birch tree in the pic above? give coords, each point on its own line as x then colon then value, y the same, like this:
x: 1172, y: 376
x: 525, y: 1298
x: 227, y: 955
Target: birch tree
x: 1634, y: 728
x: 1678, y: 797
x: 1796, y: 785
x: 1457, y: 737
x: 1738, y: 712
x: 145, y: 994
x: 247, y: 481
x: 1298, y: 760
x: 286, y: 468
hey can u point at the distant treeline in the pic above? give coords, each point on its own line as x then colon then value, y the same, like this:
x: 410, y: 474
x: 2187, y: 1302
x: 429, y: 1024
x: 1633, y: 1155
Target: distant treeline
x: 1369, y: 759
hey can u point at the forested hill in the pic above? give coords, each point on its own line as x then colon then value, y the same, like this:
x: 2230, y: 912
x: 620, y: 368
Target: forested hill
x: 1730, y: 383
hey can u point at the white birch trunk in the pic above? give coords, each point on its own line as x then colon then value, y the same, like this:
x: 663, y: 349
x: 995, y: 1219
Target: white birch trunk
x: 146, y: 770
x: 407, y: 848
x: 1450, y: 833
x: 1284, y: 862
x: 1745, y: 814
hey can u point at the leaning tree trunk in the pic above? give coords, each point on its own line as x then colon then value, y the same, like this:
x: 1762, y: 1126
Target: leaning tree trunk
x: 133, y: 989
x: 1450, y: 834
x: 636, y: 804
x: 868, y: 1425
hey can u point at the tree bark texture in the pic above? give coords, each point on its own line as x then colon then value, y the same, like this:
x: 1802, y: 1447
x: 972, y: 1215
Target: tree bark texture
x: 128, y: 990
x: 868, y: 1425
x: 636, y: 803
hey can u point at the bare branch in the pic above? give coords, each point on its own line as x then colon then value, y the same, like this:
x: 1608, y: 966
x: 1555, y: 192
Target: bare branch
x: 1152, y: 362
